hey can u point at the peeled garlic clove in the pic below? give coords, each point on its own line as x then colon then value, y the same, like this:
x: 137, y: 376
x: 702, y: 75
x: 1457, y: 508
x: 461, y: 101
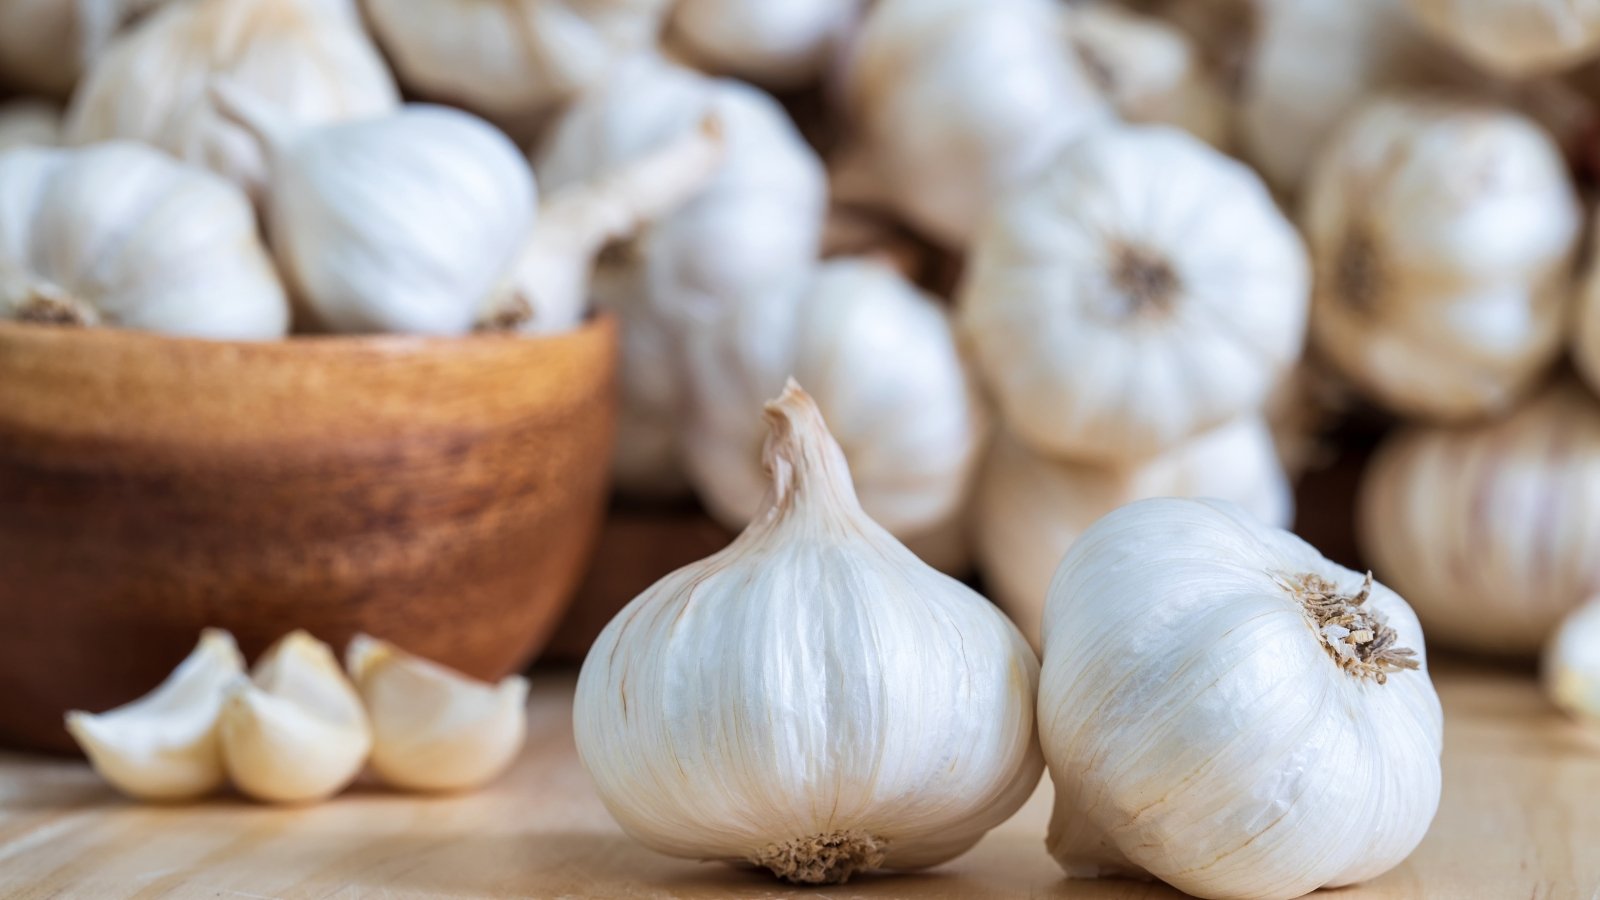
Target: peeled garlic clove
x: 122, y: 235
x: 1514, y: 37
x: 164, y: 746
x: 294, y: 731
x: 812, y: 699
x: 777, y: 43
x: 1443, y: 234
x: 1572, y: 664
x: 1029, y: 510
x: 1113, y: 316
x: 433, y: 728
x: 1224, y: 709
x: 25, y: 123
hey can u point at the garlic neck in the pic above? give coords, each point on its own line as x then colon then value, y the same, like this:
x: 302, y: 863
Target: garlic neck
x: 1355, y: 637
x: 822, y: 858
x: 805, y: 464
x: 1145, y: 279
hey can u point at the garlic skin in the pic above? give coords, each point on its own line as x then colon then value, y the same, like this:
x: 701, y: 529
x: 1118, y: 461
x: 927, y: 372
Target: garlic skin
x: 812, y: 699
x: 510, y: 58
x: 1571, y: 664
x: 1114, y: 314
x: 1443, y: 234
x: 777, y: 43
x: 1028, y: 510
x: 957, y: 101
x: 1514, y: 38
x: 294, y: 731
x: 434, y: 729
x: 1490, y: 528
x: 120, y: 234
x: 307, y: 59
x: 1209, y: 722
x: 164, y: 746
x: 29, y: 123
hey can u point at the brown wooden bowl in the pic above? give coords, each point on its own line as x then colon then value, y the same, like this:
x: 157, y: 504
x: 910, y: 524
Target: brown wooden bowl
x: 441, y: 493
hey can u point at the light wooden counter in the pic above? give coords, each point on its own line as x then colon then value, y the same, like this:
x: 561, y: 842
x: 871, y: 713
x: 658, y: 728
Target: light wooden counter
x: 1520, y: 819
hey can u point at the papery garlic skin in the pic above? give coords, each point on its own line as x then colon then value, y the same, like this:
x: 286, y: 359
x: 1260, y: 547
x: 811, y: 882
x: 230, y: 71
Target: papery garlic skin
x: 778, y: 43
x: 957, y: 101
x: 120, y: 234
x: 1139, y: 290
x: 1201, y: 728
x: 1028, y: 510
x: 306, y: 58
x: 812, y: 699
x: 1515, y: 38
x: 433, y: 728
x: 294, y: 731
x: 1490, y: 529
x: 29, y: 123
x: 1443, y: 234
x: 1571, y: 664
x: 164, y: 746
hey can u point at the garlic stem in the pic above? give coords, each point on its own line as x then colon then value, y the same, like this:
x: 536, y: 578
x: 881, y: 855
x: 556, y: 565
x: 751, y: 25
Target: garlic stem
x: 805, y: 463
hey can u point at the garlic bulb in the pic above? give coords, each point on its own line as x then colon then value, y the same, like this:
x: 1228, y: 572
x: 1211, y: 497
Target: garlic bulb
x: 120, y: 234
x: 164, y: 745
x: 812, y: 699
x: 1029, y: 510
x: 435, y: 729
x: 1443, y: 235
x: 1490, y: 529
x: 1572, y: 664
x: 1224, y: 709
x: 26, y: 123
x: 1515, y: 37
x: 311, y: 62
x: 510, y: 57
x: 294, y: 731
x: 884, y: 369
x: 781, y: 43
x: 1141, y: 289
x: 957, y: 101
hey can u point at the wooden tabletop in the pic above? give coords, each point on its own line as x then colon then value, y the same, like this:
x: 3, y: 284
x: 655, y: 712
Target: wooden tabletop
x: 1520, y: 818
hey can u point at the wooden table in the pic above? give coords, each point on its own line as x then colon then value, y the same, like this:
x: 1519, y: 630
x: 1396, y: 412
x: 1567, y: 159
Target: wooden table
x: 1520, y: 819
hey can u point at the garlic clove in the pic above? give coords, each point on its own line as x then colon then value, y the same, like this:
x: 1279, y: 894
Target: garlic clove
x: 164, y: 746
x: 435, y: 729
x: 1572, y: 664
x: 294, y: 732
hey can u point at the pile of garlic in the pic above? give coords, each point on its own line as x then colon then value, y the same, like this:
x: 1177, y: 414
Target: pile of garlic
x: 298, y: 729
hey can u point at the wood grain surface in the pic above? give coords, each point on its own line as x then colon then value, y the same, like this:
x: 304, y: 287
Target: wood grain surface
x: 1520, y: 819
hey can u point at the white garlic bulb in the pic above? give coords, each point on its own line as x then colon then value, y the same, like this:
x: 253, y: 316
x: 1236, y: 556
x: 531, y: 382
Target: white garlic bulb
x: 883, y: 367
x: 1028, y: 510
x: 29, y: 123
x: 780, y: 43
x: 311, y: 62
x: 510, y: 57
x: 812, y: 699
x: 123, y: 235
x: 1490, y: 529
x: 294, y: 731
x: 1571, y: 664
x: 1141, y: 289
x: 1515, y: 37
x: 433, y: 728
x: 1224, y: 709
x: 957, y: 101
x: 1443, y: 235
x: 164, y: 746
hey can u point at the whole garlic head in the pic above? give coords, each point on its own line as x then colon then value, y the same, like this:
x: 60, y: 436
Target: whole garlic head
x: 1141, y: 289
x: 957, y: 101
x: 433, y: 728
x: 1443, y: 234
x: 1490, y: 529
x: 1028, y: 510
x: 294, y: 731
x: 1572, y: 664
x: 164, y: 746
x: 779, y: 43
x: 307, y: 58
x: 1224, y: 709
x: 812, y: 699
x: 29, y: 123
x: 1515, y: 37
x: 123, y: 235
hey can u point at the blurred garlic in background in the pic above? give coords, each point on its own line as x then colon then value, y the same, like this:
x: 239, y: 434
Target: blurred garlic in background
x: 1585, y: 329
x: 775, y: 43
x: 1141, y: 289
x: 121, y: 235
x: 1443, y: 234
x: 1490, y: 530
x: 35, y: 123
x: 45, y: 45
x: 1515, y: 37
x: 1571, y: 664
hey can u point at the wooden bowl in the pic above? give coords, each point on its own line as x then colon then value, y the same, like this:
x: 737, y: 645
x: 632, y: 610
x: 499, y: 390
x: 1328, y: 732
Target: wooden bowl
x: 441, y: 493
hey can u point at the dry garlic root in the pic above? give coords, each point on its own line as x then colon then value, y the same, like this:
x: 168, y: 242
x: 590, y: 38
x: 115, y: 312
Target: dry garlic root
x: 122, y: 235
x: 1515, y: 37
x: 1443, y: 235
x: 778, y: 43
x: 1139, y: 290
x: 1029, y: 510
x: 1490, y: 530
x: 1572, y: 664
x: 165, y: 745
x: 433, y: 728
x: 29, y: 123
x: 1224, y: 709
x: 813, y: 699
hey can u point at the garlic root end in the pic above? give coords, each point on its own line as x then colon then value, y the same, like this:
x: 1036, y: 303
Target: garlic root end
x: 822, y: 858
